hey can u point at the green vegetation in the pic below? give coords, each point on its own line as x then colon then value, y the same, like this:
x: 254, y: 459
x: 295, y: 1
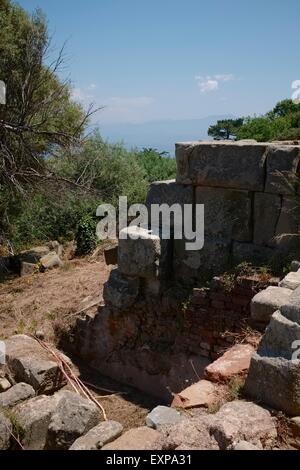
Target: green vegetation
x: 282, y: 123
x: 53, y: 176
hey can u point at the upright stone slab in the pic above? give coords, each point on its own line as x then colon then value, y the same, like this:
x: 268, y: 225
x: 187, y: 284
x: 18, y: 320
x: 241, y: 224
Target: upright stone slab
x: 267, y: 209
x: 227, y: 213
x: 120, y: 290
x: 266, y: 302
x: 282, y: 165
x: 216, y: 164
x: 252, y: 253
x: 143, y: 253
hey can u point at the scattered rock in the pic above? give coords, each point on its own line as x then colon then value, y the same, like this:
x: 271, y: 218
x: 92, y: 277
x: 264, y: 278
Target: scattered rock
x: 98, y: 436
x: 202, y: 393
x: 4, y: 384
x: 243, y: 421
x: 162, y: 415
x: 120, y: 291
x: 142, y: 438
x: 266, y: 302
x: 244, y: 445
x: 235, y: 361
x: 74, y: 416
x: 295, y: 266
x: 15, y: 395
x: 30, y: 363
x: 291, y: 281
x: 5, y: 429
x: 295, y: 426
x: 192, y: 433
x: 51, y: 260
x: 34, y: 416
x: 27, y: 268
x: 34, y: 255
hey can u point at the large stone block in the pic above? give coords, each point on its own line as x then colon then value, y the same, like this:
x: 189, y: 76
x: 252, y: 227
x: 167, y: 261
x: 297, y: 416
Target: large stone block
x: 192, y: 266
x: 169, y: 192
x: 15, y: 395
x: 143, y: 253
x: 30, y: 363
x: 267, y: 209
x: 266, y: 302
x: 120, y: 291
x: 291, y: 308
x: 289, y: 221
x: 249, y: 252
x: 34, y: 416
x: 282, y: 164
x: 291, y: 281
x: 279, y: 338
x: 275, y: 381
x: 73, y: 417
x: 220, y: 164
x: 227, y: 213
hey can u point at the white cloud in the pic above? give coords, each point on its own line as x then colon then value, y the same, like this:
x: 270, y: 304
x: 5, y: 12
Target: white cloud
x: 211, y: 83
x: 84, y: 95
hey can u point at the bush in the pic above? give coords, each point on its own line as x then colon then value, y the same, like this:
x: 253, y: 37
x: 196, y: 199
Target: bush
x: 86, y: 239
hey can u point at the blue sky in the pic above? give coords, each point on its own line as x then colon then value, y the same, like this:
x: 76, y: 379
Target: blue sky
x: 177, y: 59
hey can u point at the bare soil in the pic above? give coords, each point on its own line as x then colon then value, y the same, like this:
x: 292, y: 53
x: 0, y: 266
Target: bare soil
x: 45, y: 301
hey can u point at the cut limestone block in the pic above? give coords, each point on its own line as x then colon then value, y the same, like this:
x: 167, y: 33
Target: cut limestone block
x: 267, y: 209
x: 190, y: 266
x: 288, y: 221
x: 291, y: 308
x: 251, y: 253
x: 161, y: 416
x: 275, y: 381
x: 170, y: 193
x: 282, y: 164
x: 279, y: 337
x: 227, y: 213
x: 5, y: 430
x: 73, y: 417
x: 120, y: 291
x: 220, y: 164
x: 142, y: 438
x: 30, y: 363
x: 200, y: 394
x: 266, y: 302
x: 143, y: 253
x: 15, y: 395
x: 34, y: 416
x: 234, y: 362
x: 291, y: 281
x: 98, y: 436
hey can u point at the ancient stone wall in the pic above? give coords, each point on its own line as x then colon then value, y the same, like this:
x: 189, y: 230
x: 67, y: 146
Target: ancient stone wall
x: 160, y: 315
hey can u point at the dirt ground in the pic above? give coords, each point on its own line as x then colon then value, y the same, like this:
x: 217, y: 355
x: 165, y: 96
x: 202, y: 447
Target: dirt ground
x: 42, y: 301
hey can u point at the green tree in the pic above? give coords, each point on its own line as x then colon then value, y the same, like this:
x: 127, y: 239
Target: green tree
x: 225, y: 129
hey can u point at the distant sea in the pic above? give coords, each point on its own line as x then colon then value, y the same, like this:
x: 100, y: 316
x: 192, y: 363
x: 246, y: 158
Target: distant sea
x: 160, y: 135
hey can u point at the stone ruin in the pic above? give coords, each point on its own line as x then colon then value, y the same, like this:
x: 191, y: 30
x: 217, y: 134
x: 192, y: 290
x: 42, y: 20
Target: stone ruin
x: 166, y: 314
